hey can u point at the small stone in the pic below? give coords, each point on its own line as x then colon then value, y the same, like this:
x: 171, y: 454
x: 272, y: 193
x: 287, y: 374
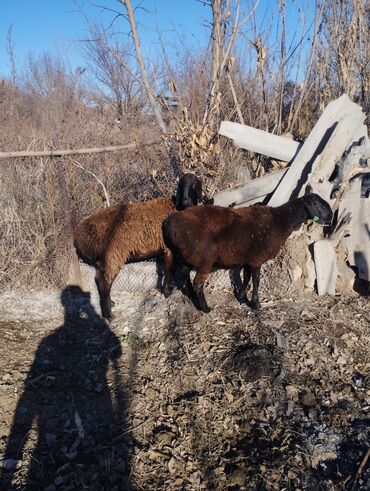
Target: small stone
x: 172, y: 465
x: 290, y: 408
x: 238, y: 478
x: 165, y: 438
x: 281, y: 341
x: 292, y: 392
x: 358, y: 379
x: 152, y: 455
x: 151, y: 394
x: 309, y: 400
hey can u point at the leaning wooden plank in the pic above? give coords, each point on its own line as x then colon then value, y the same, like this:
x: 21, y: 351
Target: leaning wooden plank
x: 325, y: 266
x: 277, y: 147
x: 252, y: 190
x: 357, y: 241
x: 251, y: 202
x: 348, y: 138
x: 314, y: 145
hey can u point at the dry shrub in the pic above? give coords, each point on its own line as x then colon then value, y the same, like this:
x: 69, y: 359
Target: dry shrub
x: 49, y: 106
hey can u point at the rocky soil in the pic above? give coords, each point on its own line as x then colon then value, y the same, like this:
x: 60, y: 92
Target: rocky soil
x: 168, y: 398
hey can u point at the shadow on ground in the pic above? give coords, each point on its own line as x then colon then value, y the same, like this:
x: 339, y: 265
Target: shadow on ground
x: 69, y: 426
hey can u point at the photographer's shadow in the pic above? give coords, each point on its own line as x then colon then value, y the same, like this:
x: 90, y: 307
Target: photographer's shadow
x: 70, y: 417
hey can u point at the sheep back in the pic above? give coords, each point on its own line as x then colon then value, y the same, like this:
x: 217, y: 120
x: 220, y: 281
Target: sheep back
x: 119, y: 233
x: 140, y: 231
x: 226, y: 237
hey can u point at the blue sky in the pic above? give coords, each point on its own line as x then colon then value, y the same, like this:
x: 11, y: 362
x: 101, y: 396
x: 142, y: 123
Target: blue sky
x: 55, y: 26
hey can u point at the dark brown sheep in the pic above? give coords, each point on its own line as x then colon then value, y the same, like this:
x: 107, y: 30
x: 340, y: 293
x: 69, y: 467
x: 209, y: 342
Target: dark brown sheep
x: 208, y: 237
x: 125, y: 232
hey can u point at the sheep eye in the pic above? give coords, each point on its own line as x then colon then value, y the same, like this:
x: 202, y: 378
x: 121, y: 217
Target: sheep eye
x: 315, y: 218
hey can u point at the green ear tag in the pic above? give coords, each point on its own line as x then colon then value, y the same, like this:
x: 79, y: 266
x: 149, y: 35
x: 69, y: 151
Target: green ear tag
x: 315, y: 218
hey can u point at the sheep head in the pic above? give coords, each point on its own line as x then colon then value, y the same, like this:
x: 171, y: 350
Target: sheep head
x: 317, y: 209
x: 189, y: 192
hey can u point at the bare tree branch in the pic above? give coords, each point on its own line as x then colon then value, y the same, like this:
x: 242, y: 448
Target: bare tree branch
x: 214, y: 83
x: 135, y: 35
x: 77, y: 164
x: 81, y: 151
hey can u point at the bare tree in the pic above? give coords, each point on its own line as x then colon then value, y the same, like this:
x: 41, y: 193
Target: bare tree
x: 217, y: 51
x: 107, y: 61
x: 140, y: 59
x: 344, y: 49
x: 11, y: 55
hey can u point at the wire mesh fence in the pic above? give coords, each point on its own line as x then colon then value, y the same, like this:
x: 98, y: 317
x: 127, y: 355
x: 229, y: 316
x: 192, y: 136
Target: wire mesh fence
x: 146, y: 276
x: 44, y: 197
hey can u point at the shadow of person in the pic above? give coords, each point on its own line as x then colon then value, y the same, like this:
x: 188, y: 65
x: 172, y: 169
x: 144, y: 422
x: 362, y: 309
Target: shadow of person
x: 69, y: 421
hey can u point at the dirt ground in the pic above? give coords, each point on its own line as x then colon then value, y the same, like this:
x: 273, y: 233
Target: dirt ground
x: 168, y: 398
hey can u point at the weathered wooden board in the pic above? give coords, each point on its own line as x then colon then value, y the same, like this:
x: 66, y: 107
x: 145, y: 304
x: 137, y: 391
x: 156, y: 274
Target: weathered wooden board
x: 346, y: 136
x: 357, y: 241
x: 333, y: 132
x: 277, y: 147
x: 325, y: 266
x: 250, y: 192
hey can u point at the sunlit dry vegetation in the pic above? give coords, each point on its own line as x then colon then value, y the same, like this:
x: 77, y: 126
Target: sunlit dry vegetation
x: 260, y: 70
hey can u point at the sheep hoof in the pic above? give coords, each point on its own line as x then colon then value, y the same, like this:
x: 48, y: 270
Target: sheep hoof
x: 255, y: 305
x: 205, y: 309
x: 167, y: 291
x: 240, y: 297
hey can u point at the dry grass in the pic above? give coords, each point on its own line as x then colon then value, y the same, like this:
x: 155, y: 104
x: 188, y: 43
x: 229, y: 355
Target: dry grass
x: 46, y: 106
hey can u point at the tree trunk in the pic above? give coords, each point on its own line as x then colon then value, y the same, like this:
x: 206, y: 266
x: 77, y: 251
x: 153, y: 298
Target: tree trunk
x: 282, y: 65
x: 217, y: 50
x: 140, y: 59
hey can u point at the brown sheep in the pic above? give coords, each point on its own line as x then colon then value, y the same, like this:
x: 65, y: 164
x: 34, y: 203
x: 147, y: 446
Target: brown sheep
x: 113, y: 236
x: 208, y: 237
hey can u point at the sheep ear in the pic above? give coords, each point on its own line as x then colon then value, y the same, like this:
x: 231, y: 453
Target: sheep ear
x: 308, y: 190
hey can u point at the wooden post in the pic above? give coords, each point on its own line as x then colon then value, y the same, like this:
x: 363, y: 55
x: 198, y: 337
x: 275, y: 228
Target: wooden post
x: 77, y: 278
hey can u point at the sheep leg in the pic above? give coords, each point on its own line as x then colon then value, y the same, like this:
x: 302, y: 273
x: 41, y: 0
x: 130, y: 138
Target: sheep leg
x: 246, y: 278
x: 104, y: 295
x: 187, y: 286
x: 183, y: 279
x: 168, y: 274
x: 256, y: 281
x: 199, y: 280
